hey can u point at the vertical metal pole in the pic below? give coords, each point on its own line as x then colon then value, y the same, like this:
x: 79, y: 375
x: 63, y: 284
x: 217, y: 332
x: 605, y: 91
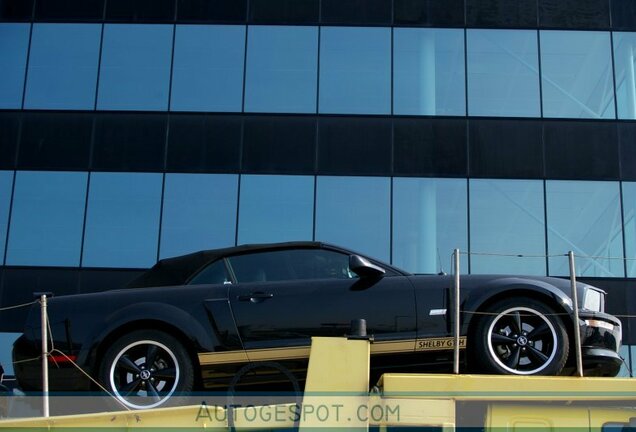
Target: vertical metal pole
x: 630, y: 83
x: 45, y: 359
x: 575, y: 308
x: 456, y: 311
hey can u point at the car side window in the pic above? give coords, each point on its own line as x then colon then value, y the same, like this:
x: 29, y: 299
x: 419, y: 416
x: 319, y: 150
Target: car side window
x: 215, y: 273
x: 260, y: 267
x: 291, y: 264
x: 321, y: 264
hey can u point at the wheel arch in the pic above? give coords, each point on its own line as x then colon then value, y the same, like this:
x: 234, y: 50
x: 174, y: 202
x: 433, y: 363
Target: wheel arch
x: 154, y: 325
x: 549, y: 298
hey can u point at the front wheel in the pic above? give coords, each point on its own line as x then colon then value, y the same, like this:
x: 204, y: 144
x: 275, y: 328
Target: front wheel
x: 145, y: 368
x: 520, y: 336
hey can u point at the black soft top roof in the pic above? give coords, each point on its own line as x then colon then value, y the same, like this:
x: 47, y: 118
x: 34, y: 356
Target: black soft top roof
x: 178, y: 270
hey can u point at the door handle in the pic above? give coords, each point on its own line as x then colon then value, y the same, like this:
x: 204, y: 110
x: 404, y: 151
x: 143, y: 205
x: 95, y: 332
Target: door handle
x: 255, y: 297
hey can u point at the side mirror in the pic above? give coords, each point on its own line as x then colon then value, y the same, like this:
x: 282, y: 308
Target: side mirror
x: 364, y: 268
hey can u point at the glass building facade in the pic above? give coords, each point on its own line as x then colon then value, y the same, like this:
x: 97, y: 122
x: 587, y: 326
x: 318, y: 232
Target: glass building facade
x: 135, y: 131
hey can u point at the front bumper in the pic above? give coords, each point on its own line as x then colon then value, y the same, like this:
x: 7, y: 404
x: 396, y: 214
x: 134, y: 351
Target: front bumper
x: 601, y: 336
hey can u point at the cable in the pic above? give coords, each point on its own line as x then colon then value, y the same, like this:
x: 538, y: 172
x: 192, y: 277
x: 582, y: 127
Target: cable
x: 629, y: 370
x: 27, y: 360
x: 595, y: 257
x: 90, y: 377
x: 513, y: 255
x: 19, y: 306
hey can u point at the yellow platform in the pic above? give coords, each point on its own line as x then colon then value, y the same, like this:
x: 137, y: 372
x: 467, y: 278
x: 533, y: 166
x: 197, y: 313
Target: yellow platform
x: 337, y: 396
x: 507, y: 387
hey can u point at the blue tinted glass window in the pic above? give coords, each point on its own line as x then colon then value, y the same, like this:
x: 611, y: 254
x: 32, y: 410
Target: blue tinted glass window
x: 503, y: 73
x: 629, y: 217
x: 63, y: 66
x: 355, y: 70
x: 354, y: 212
x: 430, y: 220
x: 6, y: 344
x: 199, y: 212
x: 625, y: 77
x: 135, y: 67
x: 625, y: 367
x: 507, y: 217
x: 576, y: 71
x: 47, y: 218
x: 208, y: 68
x: 122, y: 223
x: 585, y: 217
x: 282, y: 67
x: 14, y: 44
x: 6, y: 183
x: 275, y: 208
x: 428, y: 71
x: 293, y: 264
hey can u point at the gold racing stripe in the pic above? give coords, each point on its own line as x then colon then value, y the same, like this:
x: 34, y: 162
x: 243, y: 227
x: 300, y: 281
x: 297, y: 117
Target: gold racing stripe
x: 302, y: 352
x: 397, y: 346
x: 222, y: 357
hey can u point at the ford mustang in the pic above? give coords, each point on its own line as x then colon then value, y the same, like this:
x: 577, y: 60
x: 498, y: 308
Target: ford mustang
x: 192, y: 322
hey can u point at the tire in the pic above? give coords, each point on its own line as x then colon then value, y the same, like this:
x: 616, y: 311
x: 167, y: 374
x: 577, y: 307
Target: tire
x: 519, y: 336
x: 139, y: 384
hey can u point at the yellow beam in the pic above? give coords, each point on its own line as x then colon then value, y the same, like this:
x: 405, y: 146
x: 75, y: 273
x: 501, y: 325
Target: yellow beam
x: 337, y: 386
x: 506, y: 387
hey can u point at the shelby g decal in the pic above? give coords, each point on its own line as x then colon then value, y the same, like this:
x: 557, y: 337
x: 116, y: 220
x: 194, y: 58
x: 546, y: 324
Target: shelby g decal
x: 439, y: 344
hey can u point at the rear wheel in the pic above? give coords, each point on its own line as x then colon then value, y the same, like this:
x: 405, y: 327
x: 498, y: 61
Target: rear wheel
x: 520, y: 336
x: 145, y: 368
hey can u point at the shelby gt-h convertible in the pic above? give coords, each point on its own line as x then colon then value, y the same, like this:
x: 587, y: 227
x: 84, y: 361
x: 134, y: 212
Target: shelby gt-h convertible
x: 192, y: 322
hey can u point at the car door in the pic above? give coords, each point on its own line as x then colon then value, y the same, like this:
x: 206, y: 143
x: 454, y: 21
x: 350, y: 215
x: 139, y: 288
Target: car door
x: 282, y: 298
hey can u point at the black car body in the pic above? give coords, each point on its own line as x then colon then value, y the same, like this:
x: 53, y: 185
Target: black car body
x: 193, y: 321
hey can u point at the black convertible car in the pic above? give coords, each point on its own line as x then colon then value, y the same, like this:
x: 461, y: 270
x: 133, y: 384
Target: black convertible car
x: 192, y: 322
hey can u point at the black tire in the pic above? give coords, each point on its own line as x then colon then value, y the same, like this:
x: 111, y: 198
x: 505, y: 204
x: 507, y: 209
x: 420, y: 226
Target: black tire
x: 519, y: 336
x: 138, y: 383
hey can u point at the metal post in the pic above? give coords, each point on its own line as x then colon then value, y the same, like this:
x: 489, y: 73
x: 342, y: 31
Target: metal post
x: 575, y: 308
x: 456, y: 311
x: 630, y: 83
x: 45, y: 359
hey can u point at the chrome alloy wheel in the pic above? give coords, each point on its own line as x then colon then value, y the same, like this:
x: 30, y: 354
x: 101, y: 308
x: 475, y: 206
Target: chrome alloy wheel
x: 522, y: 341
x: 144, y: 374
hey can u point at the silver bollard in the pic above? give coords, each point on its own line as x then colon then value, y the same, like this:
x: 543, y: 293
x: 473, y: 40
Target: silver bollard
x: 45, y: 359
x: 456, y: 312
x: 575, y: 318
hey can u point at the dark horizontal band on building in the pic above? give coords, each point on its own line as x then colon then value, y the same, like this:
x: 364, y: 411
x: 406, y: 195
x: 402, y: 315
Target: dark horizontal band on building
x: 566, y: 14
x: 322, y: 145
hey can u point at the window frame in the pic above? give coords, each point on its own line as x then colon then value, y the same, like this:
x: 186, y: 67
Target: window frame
x: 389, y: 270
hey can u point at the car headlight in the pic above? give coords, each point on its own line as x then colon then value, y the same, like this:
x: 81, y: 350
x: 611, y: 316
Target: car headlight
x: 593, y: 300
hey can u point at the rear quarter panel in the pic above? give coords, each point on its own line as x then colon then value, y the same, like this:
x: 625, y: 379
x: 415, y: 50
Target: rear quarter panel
x: 81, y: 323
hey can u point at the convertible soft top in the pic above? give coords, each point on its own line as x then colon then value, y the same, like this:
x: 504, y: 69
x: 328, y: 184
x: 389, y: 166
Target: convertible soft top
x: 178, y: 270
